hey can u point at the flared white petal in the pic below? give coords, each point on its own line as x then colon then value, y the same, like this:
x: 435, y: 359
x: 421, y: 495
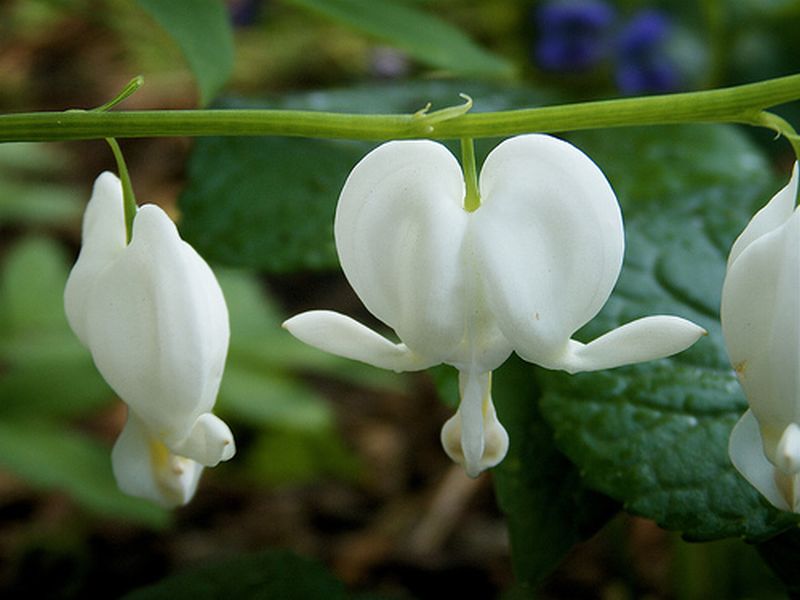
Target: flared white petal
x: 549, y: 242
x: 760, y: 316
x: 645, y: 339
x: 746, y: 451
x: 103, y: 240
x: 145, y: 468
x: 399, y: 228
x: 776, y: 212
x: 343, y: 336
x: 474, y: 437
x: 158, y: 330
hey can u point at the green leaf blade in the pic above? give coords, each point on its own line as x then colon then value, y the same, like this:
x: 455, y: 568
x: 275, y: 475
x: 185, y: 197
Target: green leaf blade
x: 425, y: 37
x: 202, y: 30
x: 655, y: 436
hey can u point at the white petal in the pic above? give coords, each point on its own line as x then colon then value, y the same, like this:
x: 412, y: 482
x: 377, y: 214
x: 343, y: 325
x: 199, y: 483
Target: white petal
x: 645, y: 339
x: 104, y: 239
x: 399, y: 228
x: 760, y: 316
x: 788, y: 454
x: 747, y: 455
x: 549, y: 241
x: 158, y: 330
x: 776, y: 212
x: 145, y: 468
x: 473, y: 437
x: 209, y: 442
x: 338, y: 334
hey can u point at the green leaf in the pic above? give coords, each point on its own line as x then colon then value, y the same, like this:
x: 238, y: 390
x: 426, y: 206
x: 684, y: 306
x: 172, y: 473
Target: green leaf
x: 47, y: 371
x: 304, y: 457
x: 548, y: 508
x: 32, y: 287
x: 269, y: 399
x: 655, y: 436
x: 423, y: 36
x: 547, y: 505
x: 202, y: 30
x: 50, y: 457
x: 271, y: 574
x: 268, y: 203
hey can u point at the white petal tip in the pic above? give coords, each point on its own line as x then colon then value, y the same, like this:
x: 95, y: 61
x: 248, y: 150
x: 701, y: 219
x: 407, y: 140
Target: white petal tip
x: 209, y: 443
x: 746, y: 451
x: 642, y: 340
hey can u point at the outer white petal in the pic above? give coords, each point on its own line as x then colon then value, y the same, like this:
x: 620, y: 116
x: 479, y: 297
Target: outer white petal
x: 158, y: 330
x: 399, y: 229
x: 776, y: 212
x: 645, y: 339
x: 103, y: 241
x: 549, y: 241
x: 145, y: 468
x: 473, y: 437
x: 746, y: 451
x: 343, y: 336
x: 760, y: 316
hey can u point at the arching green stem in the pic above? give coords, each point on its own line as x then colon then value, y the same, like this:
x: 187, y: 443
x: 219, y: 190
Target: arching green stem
x: 128, y: 199
x: 737, y: 104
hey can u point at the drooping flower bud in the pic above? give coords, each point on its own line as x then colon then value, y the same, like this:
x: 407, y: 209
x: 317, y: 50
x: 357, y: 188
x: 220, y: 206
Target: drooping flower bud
x: 153, y: 316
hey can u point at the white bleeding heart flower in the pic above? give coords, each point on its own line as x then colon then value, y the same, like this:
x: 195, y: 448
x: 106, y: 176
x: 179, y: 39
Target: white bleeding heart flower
x: 760, y: 316
x: 153, y: 316
x: 535, y: 262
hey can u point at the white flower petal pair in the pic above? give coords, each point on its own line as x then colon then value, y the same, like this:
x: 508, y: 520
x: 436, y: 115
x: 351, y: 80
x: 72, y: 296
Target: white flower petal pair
x: 522, y: 273
x: 153, y: 316
x: 760, y: 316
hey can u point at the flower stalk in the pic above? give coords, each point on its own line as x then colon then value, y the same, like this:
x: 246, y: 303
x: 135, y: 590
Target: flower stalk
x: 738, y: 104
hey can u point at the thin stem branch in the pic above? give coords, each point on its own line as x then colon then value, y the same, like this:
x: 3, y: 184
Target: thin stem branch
x: 472, y: 198
x: 734, y: 104
x: 128, y: 198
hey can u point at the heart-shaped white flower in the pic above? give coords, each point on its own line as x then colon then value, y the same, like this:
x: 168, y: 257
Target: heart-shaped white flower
x: 535, y: 262
x: 153, y: 316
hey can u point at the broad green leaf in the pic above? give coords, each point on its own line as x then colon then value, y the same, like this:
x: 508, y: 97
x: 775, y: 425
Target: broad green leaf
x: 32, y: 287
x: 37, y: 203
x: 54, y: 458
x: 202, y: 30
x: 47, y: 370
x: 547, y: 506
x: 422, y: 35
x: 271, y: 574
x: 269, y: 399
x: 268, y: 203
x: 28, y: 194
x: 655, y: 436
x: 292, y: 457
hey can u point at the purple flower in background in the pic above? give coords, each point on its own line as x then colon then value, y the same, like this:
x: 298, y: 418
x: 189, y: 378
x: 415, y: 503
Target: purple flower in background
x: 573, y: 34
x: 643, y: 63
x: 244, y: 12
